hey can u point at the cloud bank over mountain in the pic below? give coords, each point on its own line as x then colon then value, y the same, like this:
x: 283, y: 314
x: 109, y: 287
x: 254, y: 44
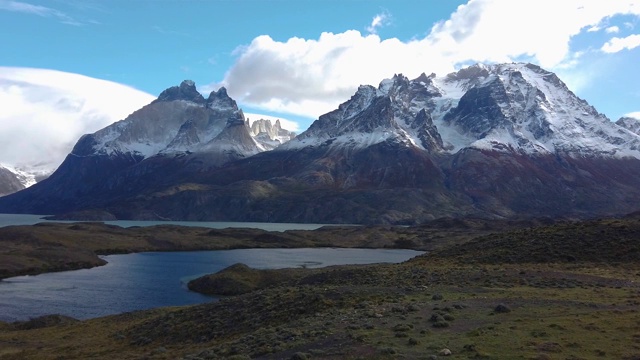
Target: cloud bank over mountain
x: 309, y: 77
x: 46, y: 111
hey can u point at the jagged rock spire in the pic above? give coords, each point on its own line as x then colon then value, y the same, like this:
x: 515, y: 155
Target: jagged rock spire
x: 220, y: 99
x: 185, y: 91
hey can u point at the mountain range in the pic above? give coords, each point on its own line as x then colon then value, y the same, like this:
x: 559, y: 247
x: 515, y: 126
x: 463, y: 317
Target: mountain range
x: 497, y: 141
x: 186, y: 126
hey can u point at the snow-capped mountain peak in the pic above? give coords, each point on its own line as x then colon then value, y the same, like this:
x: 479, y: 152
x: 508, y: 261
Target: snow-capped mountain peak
x: 505, y: 140
x: 513, y: 107
x: 181, y: 120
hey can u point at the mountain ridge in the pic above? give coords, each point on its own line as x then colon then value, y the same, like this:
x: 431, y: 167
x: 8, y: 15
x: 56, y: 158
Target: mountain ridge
x: 548, y: 116
x: 496, y: 141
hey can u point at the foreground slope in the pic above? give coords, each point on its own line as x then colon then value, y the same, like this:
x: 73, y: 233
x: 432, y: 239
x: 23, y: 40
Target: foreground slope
x: 506, y: 140
x: 551, y: 306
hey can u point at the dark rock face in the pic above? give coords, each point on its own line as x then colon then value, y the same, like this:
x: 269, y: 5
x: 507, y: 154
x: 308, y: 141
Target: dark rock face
x: 428, y: 132
x: 344, y: 118
x: 220, y: 99
x: 471, y: 73
x: 514, y: 185
x: 85, y: 145
x: 186, y: 91
x: 187, y: 136
x: 479, y: 110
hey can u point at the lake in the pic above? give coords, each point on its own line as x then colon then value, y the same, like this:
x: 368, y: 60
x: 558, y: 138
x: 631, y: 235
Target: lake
x: 148, y: 280
x: 28, y: 219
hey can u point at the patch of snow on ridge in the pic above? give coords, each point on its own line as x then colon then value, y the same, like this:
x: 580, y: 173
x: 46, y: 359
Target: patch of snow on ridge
x: 453, y: 138
x: 360, y: 140
x: 541, y: 115
x: 153, y: 129
x: 576, y: 126
x: 360, y: 101
x: 302, y: 142
x: 385, y: 86
x: 537, y: 99
x: 25, y: 177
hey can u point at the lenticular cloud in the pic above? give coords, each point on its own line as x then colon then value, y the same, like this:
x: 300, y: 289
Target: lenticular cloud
x: 45, y: 112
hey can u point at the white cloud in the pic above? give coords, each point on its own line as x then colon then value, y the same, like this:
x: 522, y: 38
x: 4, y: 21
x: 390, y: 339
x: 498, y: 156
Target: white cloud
x: 378, y: 21
x: 635, y: 115
x: 43, y: 11
x: 492, y: 30
x: 609, y: 30
x: 44, y: 112
x: 618, y: 44
x: 612, y: 30
x: 309, y: 77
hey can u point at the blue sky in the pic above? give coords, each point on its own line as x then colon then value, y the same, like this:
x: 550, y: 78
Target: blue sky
x: 297, y: 59
x: 154, y: 44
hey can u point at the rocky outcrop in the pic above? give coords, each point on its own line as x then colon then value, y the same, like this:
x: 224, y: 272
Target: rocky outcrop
x: 270, y: 135
x: 629, y: 123
x: 185, y: 91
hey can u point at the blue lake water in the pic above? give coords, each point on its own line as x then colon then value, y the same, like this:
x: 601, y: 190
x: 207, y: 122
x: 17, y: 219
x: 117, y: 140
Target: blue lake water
x: 147, y: 280
x: 27, y: 219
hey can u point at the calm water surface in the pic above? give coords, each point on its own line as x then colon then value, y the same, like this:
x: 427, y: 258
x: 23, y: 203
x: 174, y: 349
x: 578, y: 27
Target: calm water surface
x: 147, y: 280
x: 26, y: 219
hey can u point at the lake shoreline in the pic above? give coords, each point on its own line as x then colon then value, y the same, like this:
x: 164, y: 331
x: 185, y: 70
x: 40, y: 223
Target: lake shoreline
x: 141, y: 281
x: 52, y: 247
x: 567, y: 289
x: 34, y: 219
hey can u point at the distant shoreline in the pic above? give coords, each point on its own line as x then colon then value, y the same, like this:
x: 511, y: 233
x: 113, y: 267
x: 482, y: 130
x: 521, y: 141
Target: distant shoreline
x: 52, y: 246
x: 33, y: 219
